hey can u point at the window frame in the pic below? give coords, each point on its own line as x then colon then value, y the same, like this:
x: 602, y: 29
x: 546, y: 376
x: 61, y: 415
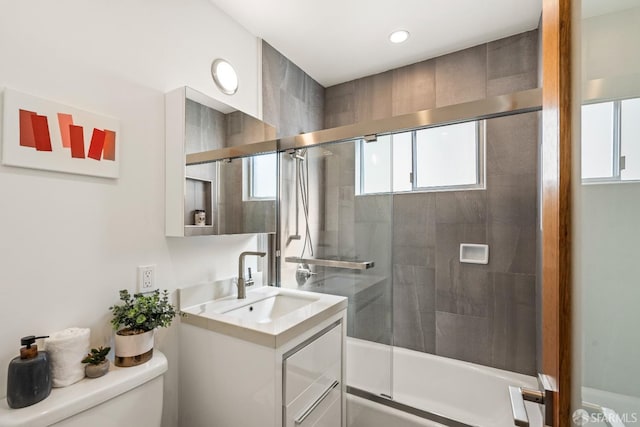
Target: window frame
x: 616, y: 172
x: 248, y: 177
x: 480, y: 164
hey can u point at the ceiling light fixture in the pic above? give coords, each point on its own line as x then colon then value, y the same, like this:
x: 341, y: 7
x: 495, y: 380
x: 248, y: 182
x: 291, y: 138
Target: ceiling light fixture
x: 399, y: 36
x: 225, y: 76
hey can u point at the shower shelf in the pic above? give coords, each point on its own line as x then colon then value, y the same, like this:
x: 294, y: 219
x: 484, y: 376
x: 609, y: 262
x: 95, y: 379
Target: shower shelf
x: 352, y: 265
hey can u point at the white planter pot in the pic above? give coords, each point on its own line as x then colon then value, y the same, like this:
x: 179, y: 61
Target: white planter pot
x: 132, y: 350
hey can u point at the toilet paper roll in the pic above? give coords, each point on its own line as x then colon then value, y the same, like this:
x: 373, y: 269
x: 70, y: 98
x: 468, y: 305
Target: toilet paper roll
x: 66, y: 350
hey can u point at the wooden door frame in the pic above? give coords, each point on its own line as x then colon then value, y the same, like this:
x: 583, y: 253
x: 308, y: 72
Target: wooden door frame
x: 557, y: 134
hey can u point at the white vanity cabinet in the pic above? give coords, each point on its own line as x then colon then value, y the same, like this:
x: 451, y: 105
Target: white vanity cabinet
x: 289, y: 373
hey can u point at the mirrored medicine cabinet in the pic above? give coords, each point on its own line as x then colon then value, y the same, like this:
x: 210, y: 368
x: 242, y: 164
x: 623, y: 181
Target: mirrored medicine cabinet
x: 205, y: 197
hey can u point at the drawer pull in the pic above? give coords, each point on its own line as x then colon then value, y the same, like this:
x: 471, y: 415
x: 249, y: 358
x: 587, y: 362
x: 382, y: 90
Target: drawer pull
x: 315, y: 404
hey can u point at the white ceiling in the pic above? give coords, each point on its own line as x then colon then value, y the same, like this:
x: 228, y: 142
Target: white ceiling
x: 339, y: 40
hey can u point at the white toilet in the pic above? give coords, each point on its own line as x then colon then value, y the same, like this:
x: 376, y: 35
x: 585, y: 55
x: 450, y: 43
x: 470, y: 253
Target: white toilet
x: 123, y: 397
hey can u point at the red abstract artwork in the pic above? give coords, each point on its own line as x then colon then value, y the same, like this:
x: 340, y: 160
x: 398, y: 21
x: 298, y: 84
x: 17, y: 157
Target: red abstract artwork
x: 34, y: 133
x: 46, y: 135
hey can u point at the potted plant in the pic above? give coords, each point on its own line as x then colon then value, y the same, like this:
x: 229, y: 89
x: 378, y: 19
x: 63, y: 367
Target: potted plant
x: 97, y: 363
x: 140, y: 314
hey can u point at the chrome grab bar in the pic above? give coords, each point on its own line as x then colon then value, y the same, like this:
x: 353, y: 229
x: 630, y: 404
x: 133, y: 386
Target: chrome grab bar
x: 315, y: 404
x: 352, y: 265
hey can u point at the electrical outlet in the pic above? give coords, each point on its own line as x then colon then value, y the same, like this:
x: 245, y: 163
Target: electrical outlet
x: 146, y: 278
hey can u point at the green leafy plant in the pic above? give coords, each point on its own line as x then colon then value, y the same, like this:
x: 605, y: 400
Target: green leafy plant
x: 97, y: 355
x: 142, y: 312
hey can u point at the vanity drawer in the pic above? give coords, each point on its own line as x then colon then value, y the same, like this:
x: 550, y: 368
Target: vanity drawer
x: 316, y: 364
x: 319, y: 406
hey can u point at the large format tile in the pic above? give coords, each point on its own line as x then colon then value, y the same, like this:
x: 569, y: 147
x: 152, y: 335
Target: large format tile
x: 510, y: 84
x: 339, y: 105
x: 461, y: 76
x: 512, y: 64
x: 374, y: 208
x: 464, y: 289
x: 273, y: 68
x: 413, y: 307
x: 514, y: 323
x: 414, y: 220
x: 469, y: 207
x: 373, y: 97
x: 407, y: 327
x: 291, y: 100
x: 513, y: 55
x: 512, y: 145
x: 512, y: 199
x: 512, y: 248
x: 372, y: 244
x: 463, y: 337
x: 414, y: 88
x: 414, y: 255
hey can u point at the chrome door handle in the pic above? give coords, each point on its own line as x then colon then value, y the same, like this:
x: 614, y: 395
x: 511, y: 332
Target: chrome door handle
x: 315, y: 404
x: 518, y: 395
x: 518, y: 410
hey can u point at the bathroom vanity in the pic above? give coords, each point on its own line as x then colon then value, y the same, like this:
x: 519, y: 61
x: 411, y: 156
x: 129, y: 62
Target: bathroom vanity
x: 276, y: 358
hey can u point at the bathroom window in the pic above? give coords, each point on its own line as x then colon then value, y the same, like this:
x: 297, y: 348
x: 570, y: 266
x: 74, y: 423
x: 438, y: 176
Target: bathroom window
x: 611, y: 141
x: 434, y: 159
x: 261, y: 176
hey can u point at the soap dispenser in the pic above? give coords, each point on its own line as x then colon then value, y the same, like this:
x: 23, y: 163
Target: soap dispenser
x: 29, y: 379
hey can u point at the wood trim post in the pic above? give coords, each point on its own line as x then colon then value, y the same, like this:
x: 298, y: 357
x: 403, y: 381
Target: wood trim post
x: 557, y: 110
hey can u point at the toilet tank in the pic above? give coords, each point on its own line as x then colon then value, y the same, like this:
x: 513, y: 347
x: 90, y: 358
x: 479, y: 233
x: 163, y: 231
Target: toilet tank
x: 123, y: 397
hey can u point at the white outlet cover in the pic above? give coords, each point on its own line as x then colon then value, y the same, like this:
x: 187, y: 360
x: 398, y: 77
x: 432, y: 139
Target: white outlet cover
x: 146, y: 278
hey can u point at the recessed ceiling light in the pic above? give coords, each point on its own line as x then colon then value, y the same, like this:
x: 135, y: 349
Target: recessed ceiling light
x: 224, y: 76
x: 399, y: 36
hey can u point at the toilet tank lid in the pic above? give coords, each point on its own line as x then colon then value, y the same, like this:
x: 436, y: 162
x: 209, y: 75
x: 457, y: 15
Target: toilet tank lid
x: 68, y: 401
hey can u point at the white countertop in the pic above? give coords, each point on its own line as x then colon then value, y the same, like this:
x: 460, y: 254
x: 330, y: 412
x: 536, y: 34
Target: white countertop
x: 210, y: 315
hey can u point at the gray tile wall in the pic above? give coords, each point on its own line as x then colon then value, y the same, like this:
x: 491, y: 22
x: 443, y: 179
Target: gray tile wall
x: 291, y: 100
x: 294, y: 103
x: 478, y: 313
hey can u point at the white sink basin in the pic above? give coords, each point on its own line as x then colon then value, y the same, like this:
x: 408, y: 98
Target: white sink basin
x: 268, y: 316
x: 269, y: 309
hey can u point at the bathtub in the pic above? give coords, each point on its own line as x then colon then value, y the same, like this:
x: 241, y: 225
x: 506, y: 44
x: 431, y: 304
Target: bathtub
x: 448, y: 391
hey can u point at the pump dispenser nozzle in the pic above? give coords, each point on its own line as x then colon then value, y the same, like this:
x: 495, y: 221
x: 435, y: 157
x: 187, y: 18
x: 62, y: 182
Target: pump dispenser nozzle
x: 30, y: 350
x: 31, y: 339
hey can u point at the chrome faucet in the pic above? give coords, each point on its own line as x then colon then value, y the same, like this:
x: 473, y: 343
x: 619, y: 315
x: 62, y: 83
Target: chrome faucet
x: 242, y: 294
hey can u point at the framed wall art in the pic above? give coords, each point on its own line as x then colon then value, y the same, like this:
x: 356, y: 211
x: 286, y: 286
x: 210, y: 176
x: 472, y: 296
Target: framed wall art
x: 42, y: 134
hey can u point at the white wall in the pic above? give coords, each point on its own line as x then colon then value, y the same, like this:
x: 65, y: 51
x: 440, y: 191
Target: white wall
x: 69, y: 243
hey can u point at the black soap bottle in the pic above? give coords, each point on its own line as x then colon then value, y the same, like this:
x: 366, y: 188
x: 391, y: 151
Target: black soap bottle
x: 29, y: 379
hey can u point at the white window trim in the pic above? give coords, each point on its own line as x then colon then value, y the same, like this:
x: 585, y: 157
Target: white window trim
x: 481, y: 169
x: 616, y: 177
x: 247, y: 182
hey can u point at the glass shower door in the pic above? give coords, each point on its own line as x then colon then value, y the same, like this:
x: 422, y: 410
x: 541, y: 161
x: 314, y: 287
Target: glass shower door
x: 608, y: 213
x: 334, y: 241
